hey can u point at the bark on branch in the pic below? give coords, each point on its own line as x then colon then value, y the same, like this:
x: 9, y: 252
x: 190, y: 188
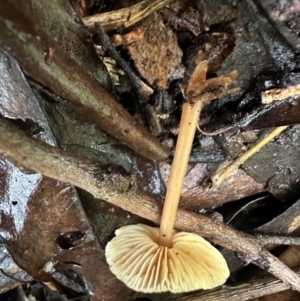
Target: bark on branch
x: 121, y: 190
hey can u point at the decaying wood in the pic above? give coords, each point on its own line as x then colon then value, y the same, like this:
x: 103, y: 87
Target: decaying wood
x: 253, y: 289
x: 125, y: 17
x: 45, y: 61
x: 121, y: 190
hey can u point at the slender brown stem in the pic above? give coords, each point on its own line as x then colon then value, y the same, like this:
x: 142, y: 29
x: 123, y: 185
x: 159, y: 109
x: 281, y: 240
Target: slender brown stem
x: 188, y: 124
x: 189, y: 120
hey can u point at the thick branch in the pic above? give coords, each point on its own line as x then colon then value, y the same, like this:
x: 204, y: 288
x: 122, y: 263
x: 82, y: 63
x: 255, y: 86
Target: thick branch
x: 121, y: 190
x: 51, y: 66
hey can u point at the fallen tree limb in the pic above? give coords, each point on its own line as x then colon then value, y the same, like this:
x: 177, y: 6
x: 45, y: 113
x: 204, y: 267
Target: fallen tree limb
x: 121, y: 190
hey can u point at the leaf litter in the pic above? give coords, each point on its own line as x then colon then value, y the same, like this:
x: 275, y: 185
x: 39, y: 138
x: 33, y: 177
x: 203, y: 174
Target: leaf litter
x: 173, y: 39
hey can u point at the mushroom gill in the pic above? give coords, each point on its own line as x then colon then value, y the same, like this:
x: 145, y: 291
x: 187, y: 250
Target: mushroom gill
x: 192, y: 263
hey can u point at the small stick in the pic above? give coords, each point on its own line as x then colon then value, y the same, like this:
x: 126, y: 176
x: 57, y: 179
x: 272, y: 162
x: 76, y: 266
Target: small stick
x: 278, y: 94
x: 221, y: 175
x: 267, y: 240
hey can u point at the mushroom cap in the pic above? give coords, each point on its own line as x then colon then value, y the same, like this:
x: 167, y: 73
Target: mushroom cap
x: 144, y: 266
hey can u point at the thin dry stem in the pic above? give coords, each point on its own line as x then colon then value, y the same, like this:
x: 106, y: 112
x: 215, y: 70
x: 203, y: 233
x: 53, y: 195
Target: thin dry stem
x: 279, y: 94
x: 221, y: 175
x: 253, y: 289
x: 269, y: 240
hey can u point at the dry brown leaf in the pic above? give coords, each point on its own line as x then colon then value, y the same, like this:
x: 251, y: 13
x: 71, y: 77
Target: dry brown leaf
x: 157, y: 56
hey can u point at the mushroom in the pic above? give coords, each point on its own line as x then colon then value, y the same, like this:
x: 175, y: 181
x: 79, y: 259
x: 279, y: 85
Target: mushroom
x: 135, y: 257
x: 155, y: 260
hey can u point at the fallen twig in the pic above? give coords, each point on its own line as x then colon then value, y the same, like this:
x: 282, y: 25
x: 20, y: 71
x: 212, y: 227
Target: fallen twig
x: 142, y: 88
x: 121, y: 190
x: 278, y: 94
x: 267, y: 240
x: 221, y: 175
x: 125, y: 17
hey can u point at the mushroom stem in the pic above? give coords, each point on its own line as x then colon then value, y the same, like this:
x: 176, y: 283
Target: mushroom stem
x: 189, y: 120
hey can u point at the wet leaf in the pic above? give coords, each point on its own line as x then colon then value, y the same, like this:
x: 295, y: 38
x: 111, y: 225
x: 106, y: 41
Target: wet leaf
x: 284, y: 17
x: 194, y: 198
x: 11, y: 275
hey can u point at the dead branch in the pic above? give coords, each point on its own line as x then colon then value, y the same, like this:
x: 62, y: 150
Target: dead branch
x: 57, y: 71
x: 121, y: 190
